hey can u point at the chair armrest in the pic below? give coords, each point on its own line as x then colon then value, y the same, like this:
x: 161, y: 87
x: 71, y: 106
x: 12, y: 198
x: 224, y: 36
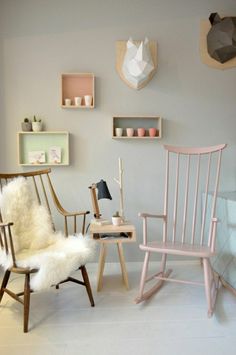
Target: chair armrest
x: 149, y: 215
x: 66, y: 214
x: 6, y: 224
x: 71, y: 214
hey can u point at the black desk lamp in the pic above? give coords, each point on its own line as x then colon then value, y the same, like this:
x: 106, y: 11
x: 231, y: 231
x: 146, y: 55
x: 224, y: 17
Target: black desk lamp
x: 103, y: 192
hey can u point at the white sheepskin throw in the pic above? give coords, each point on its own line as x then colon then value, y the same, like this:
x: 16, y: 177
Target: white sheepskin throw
x: 36, y: 245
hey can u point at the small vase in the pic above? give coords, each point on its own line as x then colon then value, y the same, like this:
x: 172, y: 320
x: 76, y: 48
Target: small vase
x: 141, y: 132
x: 119, y: 132
x: 37, y: 126
x: 116, y: 221
x: 78, y: 100
x: 152, y: 132
x: 129, y: 132
x: 88, y: 100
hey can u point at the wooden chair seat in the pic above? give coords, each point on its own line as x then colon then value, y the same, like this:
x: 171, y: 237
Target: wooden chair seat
x: 177, y: 248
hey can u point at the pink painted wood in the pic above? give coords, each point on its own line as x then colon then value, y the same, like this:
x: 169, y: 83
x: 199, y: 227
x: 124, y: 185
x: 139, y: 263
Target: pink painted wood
x: 184, y: 225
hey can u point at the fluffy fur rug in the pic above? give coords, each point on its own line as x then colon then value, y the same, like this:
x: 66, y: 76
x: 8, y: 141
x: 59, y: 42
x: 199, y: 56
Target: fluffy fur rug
x: 36, y: 244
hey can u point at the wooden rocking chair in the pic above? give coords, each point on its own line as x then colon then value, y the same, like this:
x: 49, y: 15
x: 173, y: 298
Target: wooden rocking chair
x: 183, y: 234
x: 43, y: 187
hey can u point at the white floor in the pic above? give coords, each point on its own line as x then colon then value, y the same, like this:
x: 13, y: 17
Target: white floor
x: 173, y: 322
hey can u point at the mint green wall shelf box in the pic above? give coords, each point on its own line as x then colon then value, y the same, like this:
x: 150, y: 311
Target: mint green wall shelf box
x: 42, y: 141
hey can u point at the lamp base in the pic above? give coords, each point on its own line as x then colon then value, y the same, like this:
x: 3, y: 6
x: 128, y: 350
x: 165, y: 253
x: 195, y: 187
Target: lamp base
x: 100, y: 221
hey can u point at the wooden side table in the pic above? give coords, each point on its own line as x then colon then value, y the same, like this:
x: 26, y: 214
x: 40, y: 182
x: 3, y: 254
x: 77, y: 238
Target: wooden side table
x: 110, y: 234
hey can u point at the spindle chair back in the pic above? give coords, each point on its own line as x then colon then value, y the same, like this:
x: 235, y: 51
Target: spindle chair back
x: 189, y: 229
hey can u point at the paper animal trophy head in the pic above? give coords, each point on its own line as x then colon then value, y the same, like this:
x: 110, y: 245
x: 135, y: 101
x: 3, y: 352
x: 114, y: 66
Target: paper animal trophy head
x: 221, y: 39
x: 136, y: 62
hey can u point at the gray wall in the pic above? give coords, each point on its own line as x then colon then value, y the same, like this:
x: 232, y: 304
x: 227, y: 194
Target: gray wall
x: 40, y: 39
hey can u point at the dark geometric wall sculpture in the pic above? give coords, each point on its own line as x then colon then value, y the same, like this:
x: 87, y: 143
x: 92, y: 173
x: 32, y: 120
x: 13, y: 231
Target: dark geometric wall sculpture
x: 221, y: 39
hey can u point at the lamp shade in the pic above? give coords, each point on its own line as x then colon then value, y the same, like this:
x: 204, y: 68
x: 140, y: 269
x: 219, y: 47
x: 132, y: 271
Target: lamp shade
x: 103, y: 191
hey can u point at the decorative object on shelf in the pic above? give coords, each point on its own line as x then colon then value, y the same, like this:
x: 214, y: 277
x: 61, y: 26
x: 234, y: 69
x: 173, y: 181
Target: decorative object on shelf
x: 37, y: 124
x: 88, y: 100
x: 78, y: 100
x: 221, y: 39
x: 116, y: 219
x: 136, y: 62
x: 152, y: 132
x: 37, y: 157
x: 68, y: 102
x: 209, y: 34
x: 121, y: 190
x: 141, y: 132
x: 43, y: 141
x: 119, y: 132
x: 141, y: 124
x: 79, y: 88
x: 129, y: 132
x: 101, y: 193
x: 54, y: 155
x: 26, y: 126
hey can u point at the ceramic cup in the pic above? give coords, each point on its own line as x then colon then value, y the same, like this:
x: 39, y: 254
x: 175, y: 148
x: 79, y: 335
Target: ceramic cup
x: 67, y: 102
x: 119, y: 132
x: 88, y: 100
x: 78, y: 100
x: 141, y: 132
x: 152, y: 132
x: 129, y: 132
x: 116, y: 221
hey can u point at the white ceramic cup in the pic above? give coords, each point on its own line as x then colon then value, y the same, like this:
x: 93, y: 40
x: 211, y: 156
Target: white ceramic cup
x: 67, y: 102
x: 116, y: 221
x: 78, y: 100
x: 119, y: 132
x: 129, y: 132
x: 88, y: 100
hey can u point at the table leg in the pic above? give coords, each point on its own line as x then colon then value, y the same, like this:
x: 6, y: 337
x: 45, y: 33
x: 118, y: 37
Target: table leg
x: 122, y: 265
x: 101, y: 263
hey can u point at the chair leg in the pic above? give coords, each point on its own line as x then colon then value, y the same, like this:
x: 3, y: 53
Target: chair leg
x: 4, y: 283
x: 211, y: 286
x: 146, y: 295
x: 163, y: 263
x: 26, y: 302
x: 87, y: 284
x: 144, y: 274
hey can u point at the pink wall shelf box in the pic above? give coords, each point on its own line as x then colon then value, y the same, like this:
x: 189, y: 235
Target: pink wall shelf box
x: 77, y: 90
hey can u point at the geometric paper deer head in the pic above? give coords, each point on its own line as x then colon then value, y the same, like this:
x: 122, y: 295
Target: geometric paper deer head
x: 138, y: 63
x: 221, y: 39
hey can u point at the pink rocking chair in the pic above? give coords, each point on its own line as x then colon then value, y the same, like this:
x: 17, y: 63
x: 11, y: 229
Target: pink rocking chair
x: 189, y: 229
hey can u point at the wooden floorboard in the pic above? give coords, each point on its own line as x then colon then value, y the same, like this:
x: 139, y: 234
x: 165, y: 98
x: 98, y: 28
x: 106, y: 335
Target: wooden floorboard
x: 174, y: 321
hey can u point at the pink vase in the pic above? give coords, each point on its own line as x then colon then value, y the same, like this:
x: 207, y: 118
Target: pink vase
x: 141, y: 132
x: 152, y: 132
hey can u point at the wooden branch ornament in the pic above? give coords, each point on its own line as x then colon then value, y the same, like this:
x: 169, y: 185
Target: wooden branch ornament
x: 121, y: 189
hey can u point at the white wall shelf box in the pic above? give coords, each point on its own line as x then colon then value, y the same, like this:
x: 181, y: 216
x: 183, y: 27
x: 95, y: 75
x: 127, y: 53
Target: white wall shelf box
x: 136, y: 122
x: 77, y: 85
x: 42, y: 141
